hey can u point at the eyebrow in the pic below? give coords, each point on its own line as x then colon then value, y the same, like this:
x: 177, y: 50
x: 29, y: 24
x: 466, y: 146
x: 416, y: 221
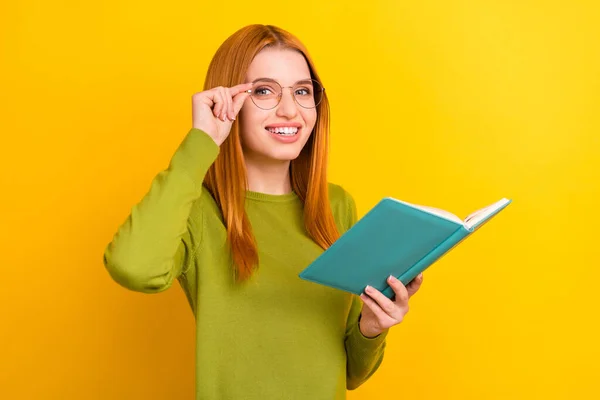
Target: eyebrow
x: 273, y: 80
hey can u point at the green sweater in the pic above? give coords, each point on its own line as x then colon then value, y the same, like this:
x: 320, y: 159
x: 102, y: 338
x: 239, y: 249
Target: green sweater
x: 273, y: 337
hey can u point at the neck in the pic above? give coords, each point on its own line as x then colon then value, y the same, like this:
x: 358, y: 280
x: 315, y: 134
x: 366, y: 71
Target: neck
x: 270, y: 177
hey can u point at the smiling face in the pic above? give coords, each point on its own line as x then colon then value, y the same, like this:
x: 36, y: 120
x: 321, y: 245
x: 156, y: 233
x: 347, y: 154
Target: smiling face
x: 278, y: 134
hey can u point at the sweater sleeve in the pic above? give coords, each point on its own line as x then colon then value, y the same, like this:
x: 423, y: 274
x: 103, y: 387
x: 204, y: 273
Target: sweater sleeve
x: 155, y: 244
x: 364, y: 355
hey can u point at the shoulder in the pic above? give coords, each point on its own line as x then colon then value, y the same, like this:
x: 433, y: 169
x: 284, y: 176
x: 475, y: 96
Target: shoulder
x: 338, y: 194
x: 343, y: 206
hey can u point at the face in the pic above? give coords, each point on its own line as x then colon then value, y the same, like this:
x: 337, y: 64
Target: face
x: 259, y: 140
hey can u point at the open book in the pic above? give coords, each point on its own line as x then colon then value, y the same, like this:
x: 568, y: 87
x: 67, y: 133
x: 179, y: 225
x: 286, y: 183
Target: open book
x: 472, y: 220
x: 393, y: 238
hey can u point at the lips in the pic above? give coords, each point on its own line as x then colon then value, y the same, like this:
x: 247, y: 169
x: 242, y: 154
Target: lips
x: 284, y: 125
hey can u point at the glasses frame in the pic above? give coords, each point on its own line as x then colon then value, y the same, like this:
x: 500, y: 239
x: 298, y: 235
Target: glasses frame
x: 280, y: 96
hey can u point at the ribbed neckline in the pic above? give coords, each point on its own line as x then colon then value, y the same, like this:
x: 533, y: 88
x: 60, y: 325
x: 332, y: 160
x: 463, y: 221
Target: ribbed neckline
x: 273, y: 198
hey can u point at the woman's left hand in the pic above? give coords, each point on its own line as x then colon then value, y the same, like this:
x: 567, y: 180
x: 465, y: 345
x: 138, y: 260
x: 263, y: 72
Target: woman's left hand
x: 380, y: 313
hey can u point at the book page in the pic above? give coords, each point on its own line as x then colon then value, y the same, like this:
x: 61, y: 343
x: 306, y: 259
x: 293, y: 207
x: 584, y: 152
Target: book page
x: 471, y: 220
x: 441, y: 213
x: 432, y: 210
x: 475, y: 217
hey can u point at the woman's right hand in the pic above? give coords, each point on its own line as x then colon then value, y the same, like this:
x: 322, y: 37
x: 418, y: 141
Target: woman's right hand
x: 214, y: 110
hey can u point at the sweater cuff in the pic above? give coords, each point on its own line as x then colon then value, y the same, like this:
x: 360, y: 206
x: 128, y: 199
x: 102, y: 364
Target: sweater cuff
x: 196, y: 153
x: 360, y: 341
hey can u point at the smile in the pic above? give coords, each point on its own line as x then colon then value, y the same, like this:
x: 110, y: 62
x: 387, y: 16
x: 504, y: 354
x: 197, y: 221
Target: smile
x: 286, y: 131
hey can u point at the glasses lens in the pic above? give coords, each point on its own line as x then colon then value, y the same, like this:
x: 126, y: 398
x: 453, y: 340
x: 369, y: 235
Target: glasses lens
x: 308, y: 93
x: 265, y: 94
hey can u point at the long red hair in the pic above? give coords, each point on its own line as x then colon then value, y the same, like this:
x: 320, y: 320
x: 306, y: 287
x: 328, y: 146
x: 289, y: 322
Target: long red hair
x: 226, y: 178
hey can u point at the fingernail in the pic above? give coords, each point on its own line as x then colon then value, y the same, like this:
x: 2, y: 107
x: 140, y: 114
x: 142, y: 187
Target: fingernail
x: 368, y: 289
x: 393, y: 278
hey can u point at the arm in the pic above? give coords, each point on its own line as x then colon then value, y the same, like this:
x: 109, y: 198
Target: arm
x: 364, y: 354
x: 155, y: 244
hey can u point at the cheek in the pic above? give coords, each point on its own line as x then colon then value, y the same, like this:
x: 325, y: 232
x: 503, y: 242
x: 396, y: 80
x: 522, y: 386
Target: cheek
x: 310, y: 117
x: 248, y: 118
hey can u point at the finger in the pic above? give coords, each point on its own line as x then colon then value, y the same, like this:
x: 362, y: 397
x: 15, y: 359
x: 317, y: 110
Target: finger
x: 414, y: 285
x: 238, y: 102
x: 416, y: 281
x: 239, y: 94
x: 373, y: 306
x: 230, y: 115
x: 386, y: 304
x: 240, y: 88
x: 216, y: 97
x: 224, y: 110
x: 221, y: 102
x: 226, y: 104
x: 399, y: 290
x: 204, y: 97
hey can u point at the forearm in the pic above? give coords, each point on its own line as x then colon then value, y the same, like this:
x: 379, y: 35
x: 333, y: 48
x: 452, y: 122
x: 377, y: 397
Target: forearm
x: 364, y: 353
x: 154, y: 244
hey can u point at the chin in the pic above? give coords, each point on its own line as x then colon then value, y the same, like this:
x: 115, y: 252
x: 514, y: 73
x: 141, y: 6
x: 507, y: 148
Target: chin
x: 270, y: 149
x: 285, y: 155
x: 284, y: 152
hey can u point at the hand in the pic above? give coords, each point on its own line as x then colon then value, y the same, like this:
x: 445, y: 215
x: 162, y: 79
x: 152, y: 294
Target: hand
x: 214, y: 110
x: 380, y: 313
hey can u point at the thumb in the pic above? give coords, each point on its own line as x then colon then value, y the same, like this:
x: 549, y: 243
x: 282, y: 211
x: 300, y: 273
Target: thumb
x: 238, y: 101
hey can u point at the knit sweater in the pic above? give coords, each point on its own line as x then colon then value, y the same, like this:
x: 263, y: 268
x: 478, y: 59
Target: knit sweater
x: 275, y: 336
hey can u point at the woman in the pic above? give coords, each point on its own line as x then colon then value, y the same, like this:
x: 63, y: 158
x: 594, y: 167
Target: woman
x: 243, y: 207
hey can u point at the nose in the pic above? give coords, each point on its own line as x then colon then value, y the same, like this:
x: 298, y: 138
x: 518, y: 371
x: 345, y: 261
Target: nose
x: 287, y: 106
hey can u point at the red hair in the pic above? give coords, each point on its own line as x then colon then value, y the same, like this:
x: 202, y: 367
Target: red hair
x: 226, y: 178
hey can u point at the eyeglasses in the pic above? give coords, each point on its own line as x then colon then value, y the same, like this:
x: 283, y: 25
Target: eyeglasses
x: 267, y: 93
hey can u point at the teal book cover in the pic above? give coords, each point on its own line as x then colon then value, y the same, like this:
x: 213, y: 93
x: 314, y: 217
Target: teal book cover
x: 394, y: 238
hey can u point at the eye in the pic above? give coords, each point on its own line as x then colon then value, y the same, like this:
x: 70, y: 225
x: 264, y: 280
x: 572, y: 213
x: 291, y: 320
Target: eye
x: 303, y: 91
x: 263, y: 91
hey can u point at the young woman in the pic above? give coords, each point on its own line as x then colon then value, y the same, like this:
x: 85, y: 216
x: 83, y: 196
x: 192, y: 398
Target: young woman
x: 243, y: 207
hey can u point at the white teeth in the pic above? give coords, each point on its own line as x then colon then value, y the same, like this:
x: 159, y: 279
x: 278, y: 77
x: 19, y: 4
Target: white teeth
x: 288, y: 130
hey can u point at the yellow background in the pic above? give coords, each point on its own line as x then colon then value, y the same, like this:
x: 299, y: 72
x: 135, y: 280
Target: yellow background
x: 453, y: 104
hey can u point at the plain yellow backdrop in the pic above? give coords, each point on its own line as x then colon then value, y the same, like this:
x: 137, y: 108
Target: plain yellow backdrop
x: 447, y: 103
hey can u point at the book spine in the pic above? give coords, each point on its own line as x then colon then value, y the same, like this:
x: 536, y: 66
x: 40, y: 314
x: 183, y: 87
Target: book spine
x: 443, y: 248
